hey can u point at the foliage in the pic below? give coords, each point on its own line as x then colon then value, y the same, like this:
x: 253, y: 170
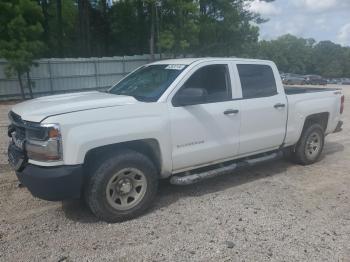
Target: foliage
x: 85, y: 28
x: 329, y: 59
x: 129, y: 32
x: 179, y: 26
x: 225, y: 28
x: 69, y: 28
x: 20, y: 31
x: 305, y: 56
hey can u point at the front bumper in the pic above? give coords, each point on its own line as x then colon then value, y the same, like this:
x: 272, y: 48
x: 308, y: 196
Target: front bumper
x: 52, y: 183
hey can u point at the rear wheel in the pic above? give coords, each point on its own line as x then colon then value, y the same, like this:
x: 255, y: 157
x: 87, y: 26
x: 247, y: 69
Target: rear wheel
x: 122, y: 187
x: 309, y: 148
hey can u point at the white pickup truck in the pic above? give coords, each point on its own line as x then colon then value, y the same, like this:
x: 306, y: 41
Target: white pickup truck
x: 183, y: 119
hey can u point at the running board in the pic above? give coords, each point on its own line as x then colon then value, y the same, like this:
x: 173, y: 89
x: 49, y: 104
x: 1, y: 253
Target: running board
x: 196, y: 177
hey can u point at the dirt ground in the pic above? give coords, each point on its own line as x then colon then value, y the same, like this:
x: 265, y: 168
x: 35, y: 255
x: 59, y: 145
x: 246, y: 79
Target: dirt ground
x: 273, y: 212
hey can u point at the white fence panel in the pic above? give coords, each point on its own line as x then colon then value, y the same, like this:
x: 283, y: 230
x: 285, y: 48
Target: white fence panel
x: 53, y: 76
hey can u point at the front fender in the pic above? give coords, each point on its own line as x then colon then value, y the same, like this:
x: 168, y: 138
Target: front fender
x: 86, y: 130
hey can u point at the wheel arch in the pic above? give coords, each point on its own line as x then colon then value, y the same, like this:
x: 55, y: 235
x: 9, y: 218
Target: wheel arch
x: 319, y: 118
x: 298, y: 153
x: 149, y: 147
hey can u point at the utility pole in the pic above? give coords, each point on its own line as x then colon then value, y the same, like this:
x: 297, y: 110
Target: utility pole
x: 60, y: 29
x: 84, y: 27
x: 151, y: 40
x: 158, y: 4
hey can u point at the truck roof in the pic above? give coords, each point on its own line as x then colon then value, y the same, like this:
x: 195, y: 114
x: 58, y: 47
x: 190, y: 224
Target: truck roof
x: 187, y: 61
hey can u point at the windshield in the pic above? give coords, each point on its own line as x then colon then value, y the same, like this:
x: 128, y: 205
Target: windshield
x: 148, y: 83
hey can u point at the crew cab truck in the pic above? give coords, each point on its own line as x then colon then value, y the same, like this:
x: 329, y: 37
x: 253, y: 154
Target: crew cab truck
x: 183, y: 119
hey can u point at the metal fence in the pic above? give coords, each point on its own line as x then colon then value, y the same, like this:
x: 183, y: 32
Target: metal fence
x: 53, y: 76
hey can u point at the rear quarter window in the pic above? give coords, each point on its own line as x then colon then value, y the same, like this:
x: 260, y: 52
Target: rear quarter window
x: 257, y: 80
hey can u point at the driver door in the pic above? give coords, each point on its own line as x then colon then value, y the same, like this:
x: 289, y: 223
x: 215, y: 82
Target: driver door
x: 208, y: 130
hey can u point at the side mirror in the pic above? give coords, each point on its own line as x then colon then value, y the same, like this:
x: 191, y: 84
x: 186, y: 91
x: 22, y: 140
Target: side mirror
x: 190, y: 96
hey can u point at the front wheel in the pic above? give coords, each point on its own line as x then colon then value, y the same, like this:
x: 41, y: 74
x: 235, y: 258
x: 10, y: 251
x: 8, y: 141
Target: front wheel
x: 122, y: 186
x: 310, y: 145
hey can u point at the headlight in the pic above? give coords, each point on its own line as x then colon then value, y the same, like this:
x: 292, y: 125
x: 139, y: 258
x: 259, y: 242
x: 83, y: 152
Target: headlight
x: 44, y: 142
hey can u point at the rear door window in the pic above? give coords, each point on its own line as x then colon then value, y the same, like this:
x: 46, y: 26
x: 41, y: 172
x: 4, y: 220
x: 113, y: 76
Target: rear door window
x: 257, y: 80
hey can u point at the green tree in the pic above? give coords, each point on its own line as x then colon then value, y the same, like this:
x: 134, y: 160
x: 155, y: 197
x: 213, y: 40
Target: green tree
x: 290, y: 53
x: 61, y: 36
x: 128, y: 35
x: 329, y: 59
x: 226, y: 28
x: 180, y: 27
x: 20, y: 34
x: 346, y: 62
x: 305, y: 56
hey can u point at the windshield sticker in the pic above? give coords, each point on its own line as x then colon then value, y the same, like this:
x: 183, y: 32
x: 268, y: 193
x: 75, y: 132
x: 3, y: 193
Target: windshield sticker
x: 175, y: 67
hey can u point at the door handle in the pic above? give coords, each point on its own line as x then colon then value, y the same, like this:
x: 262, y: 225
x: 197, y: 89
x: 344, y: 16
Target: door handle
x: 278, y: 105
x: 231, y: 111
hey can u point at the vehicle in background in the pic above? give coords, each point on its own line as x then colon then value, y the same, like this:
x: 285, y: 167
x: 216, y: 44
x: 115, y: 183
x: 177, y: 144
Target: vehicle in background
x: 334, y: 81
x: 315, y: 80
x: 293, y: 79
x: 345, y: 81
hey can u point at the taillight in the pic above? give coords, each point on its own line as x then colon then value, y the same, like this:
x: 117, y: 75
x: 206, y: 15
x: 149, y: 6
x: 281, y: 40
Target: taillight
x: 342, y: 99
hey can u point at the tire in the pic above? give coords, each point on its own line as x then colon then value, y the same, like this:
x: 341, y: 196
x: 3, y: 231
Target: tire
x: 310, y: 145
x: 122, y: 186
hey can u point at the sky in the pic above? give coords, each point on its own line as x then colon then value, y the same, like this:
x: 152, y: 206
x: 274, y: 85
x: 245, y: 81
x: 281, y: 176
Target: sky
x: 318, y: 19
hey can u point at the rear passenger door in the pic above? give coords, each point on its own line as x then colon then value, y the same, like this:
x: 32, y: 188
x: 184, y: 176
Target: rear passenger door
x: 263, y: 109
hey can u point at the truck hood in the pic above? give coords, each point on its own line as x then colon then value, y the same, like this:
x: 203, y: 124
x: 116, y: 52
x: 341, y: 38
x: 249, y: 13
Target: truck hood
x: 36, y: 110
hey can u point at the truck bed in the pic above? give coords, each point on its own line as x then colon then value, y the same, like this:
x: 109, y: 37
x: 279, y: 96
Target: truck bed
x: 306, y: 101
x: 294, y: 90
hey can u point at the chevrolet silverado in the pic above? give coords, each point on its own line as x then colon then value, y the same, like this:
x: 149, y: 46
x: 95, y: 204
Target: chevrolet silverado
x: 182, y: 119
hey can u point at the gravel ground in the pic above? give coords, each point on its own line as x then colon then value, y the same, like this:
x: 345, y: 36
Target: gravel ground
x: 272, y: 212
